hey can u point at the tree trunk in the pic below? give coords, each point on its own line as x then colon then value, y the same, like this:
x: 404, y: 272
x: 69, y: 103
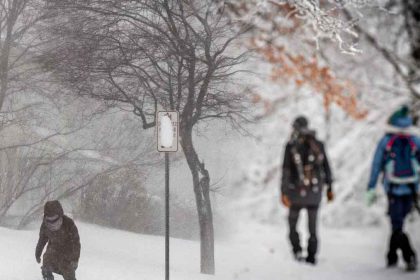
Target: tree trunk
x: 327, y: 125
x: 4, y: 60
x: 201, y: 184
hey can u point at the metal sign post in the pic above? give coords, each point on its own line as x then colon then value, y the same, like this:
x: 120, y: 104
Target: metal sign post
x: 167, y: 142
x: 167, y: 216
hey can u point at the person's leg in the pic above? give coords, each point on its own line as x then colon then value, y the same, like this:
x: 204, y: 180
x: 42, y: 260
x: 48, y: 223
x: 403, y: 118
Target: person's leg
x: 293, y: 234
x: 408, y: 252
x: 48, y: 266
x: 392, y: 257
x: 395, y: 214
x: 67, y: 270
x: 313, y: 238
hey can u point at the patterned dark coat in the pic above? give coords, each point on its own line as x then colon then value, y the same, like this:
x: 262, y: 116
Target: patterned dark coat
x: 290, y: 183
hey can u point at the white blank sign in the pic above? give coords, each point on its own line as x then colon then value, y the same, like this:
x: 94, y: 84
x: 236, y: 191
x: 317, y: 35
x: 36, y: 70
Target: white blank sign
x: 167, y: 131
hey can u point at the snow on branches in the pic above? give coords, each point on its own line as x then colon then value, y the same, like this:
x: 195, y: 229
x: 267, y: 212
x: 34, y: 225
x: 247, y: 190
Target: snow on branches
x: 319, y: 18
x: 288, y: 34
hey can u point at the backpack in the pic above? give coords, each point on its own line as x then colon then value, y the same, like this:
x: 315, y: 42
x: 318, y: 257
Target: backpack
x: 401, y: 160
x: 309, y: 161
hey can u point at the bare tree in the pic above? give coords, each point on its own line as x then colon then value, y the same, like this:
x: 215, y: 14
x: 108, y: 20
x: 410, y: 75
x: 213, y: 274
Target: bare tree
x: 147, y: 55
x: 19, y: 20
x: 43, y: 151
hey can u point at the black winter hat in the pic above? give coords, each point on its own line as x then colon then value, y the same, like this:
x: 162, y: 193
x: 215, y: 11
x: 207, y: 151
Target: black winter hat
x: 53, y: 208
x: 300, y: 123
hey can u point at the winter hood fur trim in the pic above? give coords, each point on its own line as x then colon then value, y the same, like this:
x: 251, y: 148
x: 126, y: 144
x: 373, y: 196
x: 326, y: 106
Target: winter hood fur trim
x: 411, y: 130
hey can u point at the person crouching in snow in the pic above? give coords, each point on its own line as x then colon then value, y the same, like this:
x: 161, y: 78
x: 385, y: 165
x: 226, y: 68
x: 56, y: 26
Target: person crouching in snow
x: 305, y: 173
x: 397, y: 156
x: 63, y: 250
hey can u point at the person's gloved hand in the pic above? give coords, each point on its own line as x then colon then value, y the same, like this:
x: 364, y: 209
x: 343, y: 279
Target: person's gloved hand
x: 38, y: 259
x: 370, y: 197
x: 285, y: 200
x: 330, y: 195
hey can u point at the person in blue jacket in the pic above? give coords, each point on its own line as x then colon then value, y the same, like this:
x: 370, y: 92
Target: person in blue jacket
x: 397, y: 157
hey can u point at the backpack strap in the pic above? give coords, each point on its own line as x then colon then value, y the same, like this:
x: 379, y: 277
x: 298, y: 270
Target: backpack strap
x: 390, y: 143
x: 316, y: 149
x: 410, y: 139
x: 297, y: 160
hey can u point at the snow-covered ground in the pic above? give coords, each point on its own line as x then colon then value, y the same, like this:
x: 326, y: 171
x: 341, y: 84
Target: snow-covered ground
x: 245, y: 174
x: 252, y: 252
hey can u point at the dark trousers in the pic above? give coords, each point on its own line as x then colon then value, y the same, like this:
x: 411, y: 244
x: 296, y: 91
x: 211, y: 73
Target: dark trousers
x: 399, y: 207
x: 312, y: 226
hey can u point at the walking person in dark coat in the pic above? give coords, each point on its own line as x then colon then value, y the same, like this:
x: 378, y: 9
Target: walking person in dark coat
x: 305, y: 173
x: 63, y: 250
x: 397, y: 156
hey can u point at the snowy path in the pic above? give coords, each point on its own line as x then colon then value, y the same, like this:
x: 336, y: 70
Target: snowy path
x: 257, y: 253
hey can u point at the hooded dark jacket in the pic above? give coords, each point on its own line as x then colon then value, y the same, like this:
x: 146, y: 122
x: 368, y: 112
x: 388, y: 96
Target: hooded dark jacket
x: 63, y: 245
x: 290, y: 182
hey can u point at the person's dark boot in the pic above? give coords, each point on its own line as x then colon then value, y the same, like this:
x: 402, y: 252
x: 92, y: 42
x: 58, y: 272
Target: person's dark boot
x: 297, y: 249
x: 392, y: 260
x: 412, y: 264
x: 298, y: 256
x: 408, y: 252
x: 392, y: 264
x: 312, y: 250
x: 311, y: 260
x: 394, y: 244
